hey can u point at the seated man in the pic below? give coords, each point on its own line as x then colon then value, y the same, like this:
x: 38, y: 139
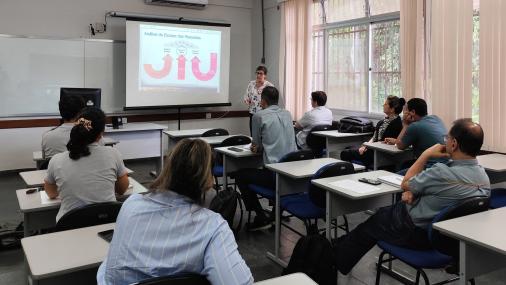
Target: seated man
x: 419, y: 130
x: 55, y: 140
x: 426, y: 193
x: 272, y: 132
x: 319, y: 115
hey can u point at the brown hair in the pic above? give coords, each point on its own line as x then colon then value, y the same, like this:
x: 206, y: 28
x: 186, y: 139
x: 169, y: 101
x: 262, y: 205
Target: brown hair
x: 187, y: 170
x: 320, y: 97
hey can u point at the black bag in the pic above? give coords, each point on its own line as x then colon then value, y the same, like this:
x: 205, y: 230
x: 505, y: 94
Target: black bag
x: 313, y: 255
x: 225, y: 203
x: 355, y: 124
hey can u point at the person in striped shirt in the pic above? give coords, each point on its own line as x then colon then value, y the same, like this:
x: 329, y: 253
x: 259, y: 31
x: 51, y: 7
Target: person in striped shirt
x: 168, y: 233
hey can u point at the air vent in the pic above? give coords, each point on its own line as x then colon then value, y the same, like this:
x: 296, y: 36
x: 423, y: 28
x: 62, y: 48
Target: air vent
x: 192, y: 4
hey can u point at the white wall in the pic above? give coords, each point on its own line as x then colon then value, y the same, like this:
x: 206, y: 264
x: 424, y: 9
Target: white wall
x: 71, y: 18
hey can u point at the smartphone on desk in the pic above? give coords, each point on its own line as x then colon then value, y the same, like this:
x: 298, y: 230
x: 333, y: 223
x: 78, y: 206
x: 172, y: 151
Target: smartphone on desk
x: 106, y: 235
x: 370, y: 181
x: 236, y: 149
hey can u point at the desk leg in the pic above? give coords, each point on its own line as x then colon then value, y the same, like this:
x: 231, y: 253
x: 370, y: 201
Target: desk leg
x: 225, y: 174
x: 328, y: 215
x: 275, y: 257
x: 26, y: 223
x: 375, y: 167
x: 328, y: 146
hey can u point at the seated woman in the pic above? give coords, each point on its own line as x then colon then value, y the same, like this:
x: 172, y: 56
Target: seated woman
x: 167, y: 231
x: 319, y: 115
x: 390, y: 126
x: 88, y: 172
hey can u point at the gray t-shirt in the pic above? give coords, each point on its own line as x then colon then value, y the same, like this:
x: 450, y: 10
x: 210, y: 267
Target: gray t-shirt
x: 90, y: 179
x: 55, y: 141
x: 426, y: 132
x: 443, y: 185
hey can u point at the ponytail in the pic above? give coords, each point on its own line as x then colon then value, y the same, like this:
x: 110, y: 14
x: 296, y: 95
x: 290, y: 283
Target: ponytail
x: 89, y: 126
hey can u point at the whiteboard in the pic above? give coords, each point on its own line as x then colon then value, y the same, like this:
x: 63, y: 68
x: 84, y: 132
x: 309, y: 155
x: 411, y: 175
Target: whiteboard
x: 32, y: 70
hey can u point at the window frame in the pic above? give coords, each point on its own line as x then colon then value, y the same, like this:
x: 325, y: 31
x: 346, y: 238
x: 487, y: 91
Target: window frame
x: 368, y: 20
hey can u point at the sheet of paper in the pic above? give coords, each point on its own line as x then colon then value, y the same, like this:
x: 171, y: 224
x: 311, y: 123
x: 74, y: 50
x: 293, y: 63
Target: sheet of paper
x: 394, y: 180
x: 355, y: 186
x: 44, y: 199
x: 246, y: 146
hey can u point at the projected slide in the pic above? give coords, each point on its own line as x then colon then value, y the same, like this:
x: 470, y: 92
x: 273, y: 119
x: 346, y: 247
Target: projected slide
x: 179, y: 57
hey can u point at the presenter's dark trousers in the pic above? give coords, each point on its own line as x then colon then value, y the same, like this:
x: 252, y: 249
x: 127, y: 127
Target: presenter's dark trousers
x: 250, y: 119
x: 391, y: 224
x: 261, y: 177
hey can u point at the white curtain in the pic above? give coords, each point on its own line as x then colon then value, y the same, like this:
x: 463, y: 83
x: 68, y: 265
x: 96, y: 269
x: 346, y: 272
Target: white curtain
x: 413, y: 48
x: 493, y: 73
x: 450, y: 79
x: 295, y: 55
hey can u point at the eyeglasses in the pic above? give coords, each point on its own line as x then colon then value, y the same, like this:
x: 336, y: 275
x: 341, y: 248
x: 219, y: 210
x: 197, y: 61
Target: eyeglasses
x: 259, y: 73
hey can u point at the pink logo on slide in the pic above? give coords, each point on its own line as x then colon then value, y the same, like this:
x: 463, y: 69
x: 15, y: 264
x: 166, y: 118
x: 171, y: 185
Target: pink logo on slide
x: 212, y: 69
x: 162, y: 72
x: 181, y: 67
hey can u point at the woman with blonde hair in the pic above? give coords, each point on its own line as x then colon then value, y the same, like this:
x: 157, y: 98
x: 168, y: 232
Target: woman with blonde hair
x: 167, y: 231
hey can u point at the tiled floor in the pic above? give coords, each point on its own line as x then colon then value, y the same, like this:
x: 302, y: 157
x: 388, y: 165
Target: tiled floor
x: 252, y: 246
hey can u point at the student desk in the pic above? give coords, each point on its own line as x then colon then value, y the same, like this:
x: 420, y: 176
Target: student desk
x: 38, y: 215
x: 59, y: 258
x: 386, y: 154
x: 235, y: 160
x: 342, y: 201
x: 35, y: 178
x: 495, y: 165
x: 482, y: 242
x: 136, y: 137
x: 290, y: 279
x: 176, y: 136
x: 292, y: 177
x: 337, y: 142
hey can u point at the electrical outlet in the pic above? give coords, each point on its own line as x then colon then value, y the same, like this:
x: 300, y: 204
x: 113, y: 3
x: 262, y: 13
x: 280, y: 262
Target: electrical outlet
x: 208, y: 115
x: 99, y: 27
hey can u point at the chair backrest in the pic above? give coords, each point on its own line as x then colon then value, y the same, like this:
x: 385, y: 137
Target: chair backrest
x: 297, y: 155
x: 317, y: 143
x: 89, y: 215
x: 236, y: 140
x: 468, y: 206
x: 316, y: 194
x: 335, y: 125
x: 191, y: 279
x: 215, y: 133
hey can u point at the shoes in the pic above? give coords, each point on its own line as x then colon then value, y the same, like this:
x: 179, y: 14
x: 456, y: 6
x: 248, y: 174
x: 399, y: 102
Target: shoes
x: 259, y: 224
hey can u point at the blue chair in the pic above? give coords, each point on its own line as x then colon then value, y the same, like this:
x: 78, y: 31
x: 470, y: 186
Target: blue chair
x: 231, y: 141
x: 497, y: 198
x: 311, y: 205
x: 445, y: 250
x: 89, y: 215
x: 318, y: 144
x: 270, y: 194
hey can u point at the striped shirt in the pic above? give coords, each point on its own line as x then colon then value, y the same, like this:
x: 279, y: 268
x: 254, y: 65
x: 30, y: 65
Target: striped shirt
x: 163, y: 234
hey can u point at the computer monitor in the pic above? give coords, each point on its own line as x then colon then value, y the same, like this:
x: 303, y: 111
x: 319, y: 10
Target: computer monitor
x: 91, y: 96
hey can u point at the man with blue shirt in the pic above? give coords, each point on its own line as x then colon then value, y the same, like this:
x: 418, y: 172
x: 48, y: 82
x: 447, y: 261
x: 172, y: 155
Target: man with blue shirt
x: 426, y: 193
x: 419, y: 130
x: 273, y: 135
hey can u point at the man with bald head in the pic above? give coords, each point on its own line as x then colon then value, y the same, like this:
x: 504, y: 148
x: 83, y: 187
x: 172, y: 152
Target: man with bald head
x: 425, y: 194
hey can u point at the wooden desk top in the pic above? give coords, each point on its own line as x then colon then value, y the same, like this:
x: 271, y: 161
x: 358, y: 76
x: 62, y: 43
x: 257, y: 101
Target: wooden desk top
x: 64, y: 252
x: 485, y: 229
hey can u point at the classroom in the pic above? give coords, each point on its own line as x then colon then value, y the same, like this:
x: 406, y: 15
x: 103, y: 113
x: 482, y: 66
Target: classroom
x: 252, y: 142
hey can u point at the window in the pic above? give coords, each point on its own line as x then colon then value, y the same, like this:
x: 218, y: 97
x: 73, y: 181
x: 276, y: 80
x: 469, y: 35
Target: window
x: 476, y: 67
x: 356, y: 52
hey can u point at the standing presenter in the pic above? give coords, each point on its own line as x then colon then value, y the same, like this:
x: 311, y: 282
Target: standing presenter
x: 254, y: 90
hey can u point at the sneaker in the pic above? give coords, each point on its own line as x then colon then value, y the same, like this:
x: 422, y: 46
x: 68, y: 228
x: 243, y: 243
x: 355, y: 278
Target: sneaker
x: 259, y: 224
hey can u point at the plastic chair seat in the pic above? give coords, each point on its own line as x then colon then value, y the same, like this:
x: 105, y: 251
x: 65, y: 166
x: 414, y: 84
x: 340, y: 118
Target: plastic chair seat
x: 218, y: 170
x: 498, y: 198
x: 262, y: 191
x: 301, y: 206
x: 430, y: 259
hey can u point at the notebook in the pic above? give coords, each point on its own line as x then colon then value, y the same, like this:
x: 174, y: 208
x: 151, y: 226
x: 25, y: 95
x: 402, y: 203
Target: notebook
x: 394, y: 179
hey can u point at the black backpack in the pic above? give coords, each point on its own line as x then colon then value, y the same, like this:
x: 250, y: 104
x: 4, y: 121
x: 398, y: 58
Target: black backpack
x: 225, y: 203
x: 355, y: 124
x: 313, y: 255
